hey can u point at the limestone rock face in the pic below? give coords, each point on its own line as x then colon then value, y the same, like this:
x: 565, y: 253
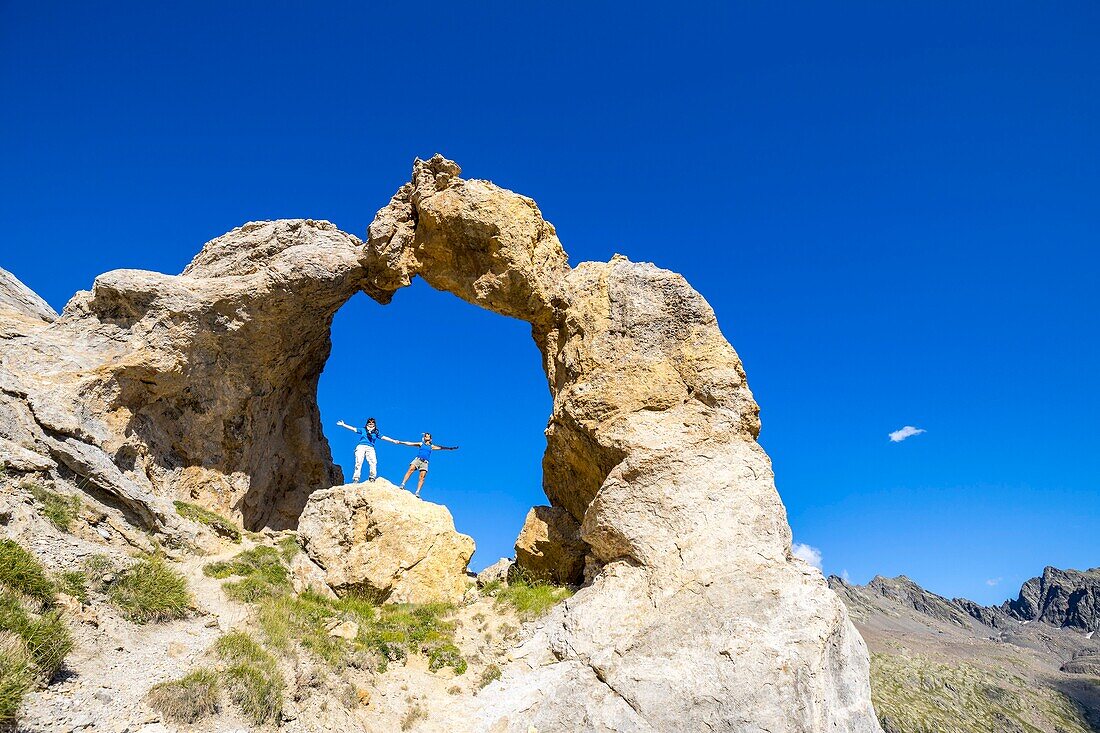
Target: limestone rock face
x: 200, y: 386
x: 694, y: 616
x: 698, y: 616
x: 379, y: 539
x: 495, y: 573
x: 21, y: 308
x: 549, y: 546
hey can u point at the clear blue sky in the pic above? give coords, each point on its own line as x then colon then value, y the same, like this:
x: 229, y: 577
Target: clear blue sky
x: 893, y: 208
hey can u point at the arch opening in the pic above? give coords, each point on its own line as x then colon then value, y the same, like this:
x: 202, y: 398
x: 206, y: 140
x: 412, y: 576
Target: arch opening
x: 427, y: 362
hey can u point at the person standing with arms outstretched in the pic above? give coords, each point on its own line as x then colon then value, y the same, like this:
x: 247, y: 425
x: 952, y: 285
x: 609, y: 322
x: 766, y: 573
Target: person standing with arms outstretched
x: 368, y: 437
x: 423, y: 455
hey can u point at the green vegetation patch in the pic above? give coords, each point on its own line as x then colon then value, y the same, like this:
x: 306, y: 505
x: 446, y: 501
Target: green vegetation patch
x: 221, y: 525
x: 16, y: 677
x: 60, y: 509
x: 189, y: 699
x: 918, y: 695
x: 45, y: 637
x: 263, y: 573
x: 288, y: 547
x: 489, y: 674
x: 404, y: 628
x: 75, y: 584
x: 252, y: 678
x: 287, y: 620
x: 531, y: 598
x: 21, y: 572
x: 151, y: 590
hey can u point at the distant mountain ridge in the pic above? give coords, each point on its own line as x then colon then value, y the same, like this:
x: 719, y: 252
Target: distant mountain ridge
x: 1067, y: 599
x: 1029, y: 664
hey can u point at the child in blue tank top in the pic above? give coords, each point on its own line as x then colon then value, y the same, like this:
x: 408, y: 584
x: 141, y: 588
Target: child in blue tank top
x: 423, y: 454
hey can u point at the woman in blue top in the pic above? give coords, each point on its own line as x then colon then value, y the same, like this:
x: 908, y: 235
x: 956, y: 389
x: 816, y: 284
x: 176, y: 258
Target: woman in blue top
x: 368, y: 437
x: 423, y: 455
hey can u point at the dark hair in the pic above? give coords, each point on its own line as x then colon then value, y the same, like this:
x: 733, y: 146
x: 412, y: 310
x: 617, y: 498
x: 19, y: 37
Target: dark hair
x: 369, y: 421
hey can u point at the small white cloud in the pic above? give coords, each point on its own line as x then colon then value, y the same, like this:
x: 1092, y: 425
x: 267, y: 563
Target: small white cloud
x: 907, y: 432
x: 845, y: 577
x: 809, y: 554
x: 992, y: 582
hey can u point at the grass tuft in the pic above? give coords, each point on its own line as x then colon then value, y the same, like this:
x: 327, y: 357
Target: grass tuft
x: 532, y: 598
x: 46, y: 638
x: 288, y: 547
x: 489, y: 674
x: 16, y: 678
x: 221, y: 525
x: 262, y: 571
x: 187, y: 700
x: 60, y: 509
x: 150, y: 591
x: 97, y: 570
x: 21, y: 572
x: 75, y: 584
x: 413, y: 714
x: 252, y: 678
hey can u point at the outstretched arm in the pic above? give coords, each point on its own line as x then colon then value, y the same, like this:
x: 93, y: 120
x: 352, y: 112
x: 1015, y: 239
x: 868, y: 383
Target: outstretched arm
x: 444, y: 447
x: 400, y: 442
x: 343, y: 424
x: 388, y: 439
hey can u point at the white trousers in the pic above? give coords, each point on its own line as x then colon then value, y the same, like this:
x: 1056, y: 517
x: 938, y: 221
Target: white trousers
x: 361, y: 452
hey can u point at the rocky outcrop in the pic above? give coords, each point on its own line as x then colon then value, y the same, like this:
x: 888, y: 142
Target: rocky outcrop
x: 1065, y: 598
x: 21, y: 309
x: 380, y: 541
x: 695, y: 617
x: 495, y: 573
x: 200, y: 386
x: 549, y: 546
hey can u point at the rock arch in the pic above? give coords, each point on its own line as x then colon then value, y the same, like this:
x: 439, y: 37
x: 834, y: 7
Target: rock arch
x: 695, y: 615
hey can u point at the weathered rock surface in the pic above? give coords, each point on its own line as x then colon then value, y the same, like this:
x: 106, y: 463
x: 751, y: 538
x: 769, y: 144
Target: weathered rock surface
x: 197, y: 386
x: 495, y: 573
x: 378, y: 539
x: 697, y: 617
x: 21, y: 308
x: 1069, y: 598
x: 550, y: 547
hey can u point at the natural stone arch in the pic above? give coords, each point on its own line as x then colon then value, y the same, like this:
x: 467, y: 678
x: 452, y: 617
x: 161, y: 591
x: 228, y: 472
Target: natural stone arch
x: 695, y: 615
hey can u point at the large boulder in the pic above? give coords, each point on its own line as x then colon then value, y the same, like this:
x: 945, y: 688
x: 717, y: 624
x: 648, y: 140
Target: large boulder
x: 380, y: 540
x: 549, y: 546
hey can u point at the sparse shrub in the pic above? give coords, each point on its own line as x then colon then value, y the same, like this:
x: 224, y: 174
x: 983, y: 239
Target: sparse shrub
x: 97, y: 568
x: 263, y: 563
x: 188, y: 699
x: 253, y: 679
x: 402, y: 628
x: 61, y: 510
x: 288, y: 547
x: 492, y: 588
x: 150, y: 591
x: 490, y: 673
x: 46, y: 638
x: 75, y: 584
x: 454, y: 690
x: 263, y: 572
x: 532, y: 598
x: 413, y: 714
x: 16, y: 677
x: 219, y: 524
x: 21, y: 572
